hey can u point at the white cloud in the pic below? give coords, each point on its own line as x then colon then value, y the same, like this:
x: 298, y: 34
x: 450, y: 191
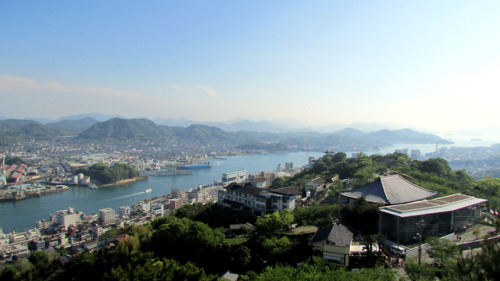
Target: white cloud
x: 210, y: 91
x: 175, y: 87
x: 13, y: 83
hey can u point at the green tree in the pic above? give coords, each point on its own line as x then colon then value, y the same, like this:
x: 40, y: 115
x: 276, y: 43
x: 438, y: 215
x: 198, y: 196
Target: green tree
x: 441, y: 250
x: 273, y: 222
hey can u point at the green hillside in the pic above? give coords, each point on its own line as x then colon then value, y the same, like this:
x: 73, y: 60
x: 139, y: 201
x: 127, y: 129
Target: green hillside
x: 12, y: 130
x: 122, y: 129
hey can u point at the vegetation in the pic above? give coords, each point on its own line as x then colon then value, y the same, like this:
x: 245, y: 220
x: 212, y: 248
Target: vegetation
x: 104, y: 174
x: 192, y: 243
x: 9, y: 160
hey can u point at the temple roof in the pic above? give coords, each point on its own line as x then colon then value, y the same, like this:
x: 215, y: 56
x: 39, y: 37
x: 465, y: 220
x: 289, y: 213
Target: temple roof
x: 390, y: 190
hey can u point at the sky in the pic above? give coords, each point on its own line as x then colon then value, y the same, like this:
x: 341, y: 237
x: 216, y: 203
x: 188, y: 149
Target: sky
x: 432, y: 65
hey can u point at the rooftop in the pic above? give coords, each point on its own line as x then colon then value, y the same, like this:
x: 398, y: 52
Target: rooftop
x: 439, y: 205
x: 390, y: 190
x: 338, y: 234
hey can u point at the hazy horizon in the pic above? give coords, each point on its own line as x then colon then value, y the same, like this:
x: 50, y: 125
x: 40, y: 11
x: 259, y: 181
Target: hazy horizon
x: 427, y: 65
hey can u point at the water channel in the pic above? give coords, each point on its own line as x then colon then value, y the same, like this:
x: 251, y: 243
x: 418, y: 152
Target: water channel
x: 22, y: 215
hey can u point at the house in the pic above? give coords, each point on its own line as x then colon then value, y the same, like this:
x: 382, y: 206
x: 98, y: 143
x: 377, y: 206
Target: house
x: 334, y: 242
x: 315, y: 184
x: 259, y: 182
x: 387, y: 190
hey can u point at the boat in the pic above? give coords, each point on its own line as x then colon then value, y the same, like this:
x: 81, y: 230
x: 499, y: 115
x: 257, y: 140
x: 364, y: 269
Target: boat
x: 197, y: 166
x: 147, y: 190
x: 92, y: 186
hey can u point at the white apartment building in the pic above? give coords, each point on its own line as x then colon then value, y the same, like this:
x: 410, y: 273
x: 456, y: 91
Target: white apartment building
x: 107, y: 216
x: 124, y: 211
x: 68, y: 217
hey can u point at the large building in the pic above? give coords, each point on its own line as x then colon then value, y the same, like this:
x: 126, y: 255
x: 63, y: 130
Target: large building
x: 437, y: 217
x: 237, y: 176
x: 67, y: 217
x: 259, y: 200
x: 387, y: 190
x: 107, y: 216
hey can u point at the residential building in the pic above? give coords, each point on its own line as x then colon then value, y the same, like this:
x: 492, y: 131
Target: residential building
x: 258, y: 200
x: 68, y: 217
x: 174, y: 204
x: 334, y: 242
x: 107, y: 216
x: 314, y: 184
x: 124, y: 211
x: 260, y: 182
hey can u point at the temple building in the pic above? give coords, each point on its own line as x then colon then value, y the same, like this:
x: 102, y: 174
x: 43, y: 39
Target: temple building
x: 436, y: 217
x: 387, y: 190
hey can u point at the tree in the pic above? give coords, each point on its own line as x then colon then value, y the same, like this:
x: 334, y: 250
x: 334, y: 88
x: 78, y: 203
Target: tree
x: 441, y: 250
x: 274, y: 222
x: 417, y: 271
x: 42, y: 262
x: 476, y: 232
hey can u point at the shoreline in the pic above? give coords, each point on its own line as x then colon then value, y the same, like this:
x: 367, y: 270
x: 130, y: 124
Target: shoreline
x: 123, y: 182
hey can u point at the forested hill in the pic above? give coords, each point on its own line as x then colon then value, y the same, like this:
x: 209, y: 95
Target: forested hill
x: 117, y: 129
x: 434, y: 174
x: 14, y: 129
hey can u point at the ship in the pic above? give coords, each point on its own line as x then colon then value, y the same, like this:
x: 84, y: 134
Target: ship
x: 147, y: 190
x: 197, y: 166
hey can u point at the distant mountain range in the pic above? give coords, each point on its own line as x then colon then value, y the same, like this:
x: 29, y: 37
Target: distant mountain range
x: 91, y: 129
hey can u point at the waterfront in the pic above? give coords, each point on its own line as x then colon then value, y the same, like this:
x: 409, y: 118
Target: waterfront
x: 21, y: 215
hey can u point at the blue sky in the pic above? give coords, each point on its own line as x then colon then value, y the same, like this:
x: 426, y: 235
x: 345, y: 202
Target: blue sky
x: 432, y: 65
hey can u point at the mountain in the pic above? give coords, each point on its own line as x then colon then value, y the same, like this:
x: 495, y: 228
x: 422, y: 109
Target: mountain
x: 76, y: 126
x: 349, y: 132
x: 255, y: 126
x: 14, y: 129
x: 97, y: 116
x: 122, y: 129
x: 348, y: 139
x: 174, y: 122
x: 203, y: 133
x: 405, y: 136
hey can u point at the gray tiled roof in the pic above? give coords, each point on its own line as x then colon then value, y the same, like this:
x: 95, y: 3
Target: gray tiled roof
x: 390, y: 190
x: 337, y: 234
x: 247, y: 188
x: 286, y: 191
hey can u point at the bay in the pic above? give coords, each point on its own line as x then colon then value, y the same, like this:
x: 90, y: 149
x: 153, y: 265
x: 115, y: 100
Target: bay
x: 22, y: 215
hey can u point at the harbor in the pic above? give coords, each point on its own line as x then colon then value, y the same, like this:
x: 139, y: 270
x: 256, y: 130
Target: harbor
x: 22, y: 215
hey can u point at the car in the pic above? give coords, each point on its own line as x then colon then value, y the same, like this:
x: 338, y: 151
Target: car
x: 397, y: 250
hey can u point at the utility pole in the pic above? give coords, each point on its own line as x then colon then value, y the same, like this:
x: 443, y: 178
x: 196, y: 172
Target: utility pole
x: 420, y: 225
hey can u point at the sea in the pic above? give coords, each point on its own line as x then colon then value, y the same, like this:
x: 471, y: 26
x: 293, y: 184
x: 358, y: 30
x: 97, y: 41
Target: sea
x: 22, y: 215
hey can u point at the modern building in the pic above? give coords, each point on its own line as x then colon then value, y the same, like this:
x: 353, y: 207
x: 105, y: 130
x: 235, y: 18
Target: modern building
x: 174, y: 204
x: 387, y: 190
x: 237, y: 176
x: 68, y: 217
x: 107, y: 216
x: 124, y: 211
x: 436, y: 217
x: 259, y: 200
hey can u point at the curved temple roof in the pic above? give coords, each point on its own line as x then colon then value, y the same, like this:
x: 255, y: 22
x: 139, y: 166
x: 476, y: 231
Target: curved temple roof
x: 390, y: 190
